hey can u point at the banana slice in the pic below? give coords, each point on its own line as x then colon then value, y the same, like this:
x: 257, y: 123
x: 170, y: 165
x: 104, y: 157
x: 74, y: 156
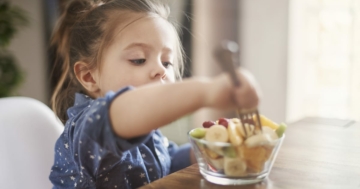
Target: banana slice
x: 236, y: 121
x: 217, y: 133
x: 249, y: 130
x: 234, y: 134
x: 258, y: 140
x: 234, y: 166
x: 271, y: 132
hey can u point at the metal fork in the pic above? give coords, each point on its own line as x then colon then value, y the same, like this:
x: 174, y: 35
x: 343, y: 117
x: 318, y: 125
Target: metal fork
x: 226, y: 57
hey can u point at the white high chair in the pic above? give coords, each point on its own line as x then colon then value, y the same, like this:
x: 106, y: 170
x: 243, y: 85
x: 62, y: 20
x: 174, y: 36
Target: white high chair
x: 28, y: 131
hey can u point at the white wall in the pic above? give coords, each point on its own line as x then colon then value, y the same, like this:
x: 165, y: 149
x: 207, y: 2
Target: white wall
x: 29, y: 49
x: 213, y: 22
x: 263, y: 43
x: 296, y: 87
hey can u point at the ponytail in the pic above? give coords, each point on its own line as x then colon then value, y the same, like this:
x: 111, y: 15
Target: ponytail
x: 63, y: 95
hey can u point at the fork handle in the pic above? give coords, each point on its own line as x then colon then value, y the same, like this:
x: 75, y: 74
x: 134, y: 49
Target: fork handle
x: 226, y: 59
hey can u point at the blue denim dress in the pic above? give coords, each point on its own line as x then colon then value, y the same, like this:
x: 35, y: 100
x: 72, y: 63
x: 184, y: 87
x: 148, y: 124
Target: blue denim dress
x: 89, y: 154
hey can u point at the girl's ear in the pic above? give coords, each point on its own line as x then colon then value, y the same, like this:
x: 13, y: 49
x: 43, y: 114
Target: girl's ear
x: 86, y: 77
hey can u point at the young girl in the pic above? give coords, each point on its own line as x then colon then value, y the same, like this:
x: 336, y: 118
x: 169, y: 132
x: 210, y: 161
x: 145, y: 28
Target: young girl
x: 119, y: 61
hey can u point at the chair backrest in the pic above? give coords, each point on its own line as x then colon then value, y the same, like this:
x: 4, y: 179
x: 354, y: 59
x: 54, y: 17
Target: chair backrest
x: 28, y: 132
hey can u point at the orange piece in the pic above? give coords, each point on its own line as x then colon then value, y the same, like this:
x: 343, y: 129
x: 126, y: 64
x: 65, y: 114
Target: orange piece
x: 268, y: 151
x: 255, y: 158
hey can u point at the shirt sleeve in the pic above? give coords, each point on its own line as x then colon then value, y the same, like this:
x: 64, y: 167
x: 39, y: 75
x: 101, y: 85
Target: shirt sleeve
x: 94, y: 128
x: 180, y: 156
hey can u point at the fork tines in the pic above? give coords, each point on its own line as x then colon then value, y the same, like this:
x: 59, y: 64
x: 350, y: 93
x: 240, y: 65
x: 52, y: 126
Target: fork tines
x: 249, y: 118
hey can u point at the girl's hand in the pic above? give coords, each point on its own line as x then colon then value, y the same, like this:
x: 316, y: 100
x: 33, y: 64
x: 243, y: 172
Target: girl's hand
x: 224, y: 95
x: 247, y: 96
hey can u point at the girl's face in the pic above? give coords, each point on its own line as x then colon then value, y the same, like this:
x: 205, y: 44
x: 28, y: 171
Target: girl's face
x: 143, y: 52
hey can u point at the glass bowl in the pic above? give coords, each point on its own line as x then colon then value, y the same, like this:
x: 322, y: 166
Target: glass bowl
x: 225, y: 164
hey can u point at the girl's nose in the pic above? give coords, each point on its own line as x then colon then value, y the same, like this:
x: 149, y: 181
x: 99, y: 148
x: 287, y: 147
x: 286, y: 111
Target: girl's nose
x: 158, y: 71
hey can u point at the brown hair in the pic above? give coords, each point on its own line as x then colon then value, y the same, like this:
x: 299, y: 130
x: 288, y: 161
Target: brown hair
x: 83, y: 32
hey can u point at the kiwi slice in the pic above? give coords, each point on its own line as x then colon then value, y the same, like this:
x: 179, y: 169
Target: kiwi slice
x: 229, y: 151
x: 281, y: 130
x: 198, y: 133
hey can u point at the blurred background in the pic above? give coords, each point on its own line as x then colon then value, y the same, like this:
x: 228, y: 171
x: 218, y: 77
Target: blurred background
x: 304, y: 53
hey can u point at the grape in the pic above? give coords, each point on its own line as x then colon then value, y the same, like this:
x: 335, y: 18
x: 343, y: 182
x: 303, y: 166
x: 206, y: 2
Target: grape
x: 223, y: 122
x: 208, y: 124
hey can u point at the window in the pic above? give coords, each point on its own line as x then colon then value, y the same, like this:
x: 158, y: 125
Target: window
x: 324, y: 59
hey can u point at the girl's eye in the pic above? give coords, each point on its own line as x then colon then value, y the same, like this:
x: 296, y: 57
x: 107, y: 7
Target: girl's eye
x: 138, y: 61
x: 167, y: 64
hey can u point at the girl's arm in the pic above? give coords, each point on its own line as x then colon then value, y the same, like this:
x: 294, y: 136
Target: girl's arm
x: 139, y: 111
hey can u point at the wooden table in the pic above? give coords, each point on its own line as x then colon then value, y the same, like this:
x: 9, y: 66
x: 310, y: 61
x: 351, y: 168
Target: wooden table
x: 316, y: 153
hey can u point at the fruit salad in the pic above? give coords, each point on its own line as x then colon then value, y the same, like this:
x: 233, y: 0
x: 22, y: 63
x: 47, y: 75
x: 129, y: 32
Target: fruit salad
x: 233, y: 149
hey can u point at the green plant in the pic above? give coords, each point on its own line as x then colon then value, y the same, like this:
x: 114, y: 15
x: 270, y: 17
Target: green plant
x: 12, y: 18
